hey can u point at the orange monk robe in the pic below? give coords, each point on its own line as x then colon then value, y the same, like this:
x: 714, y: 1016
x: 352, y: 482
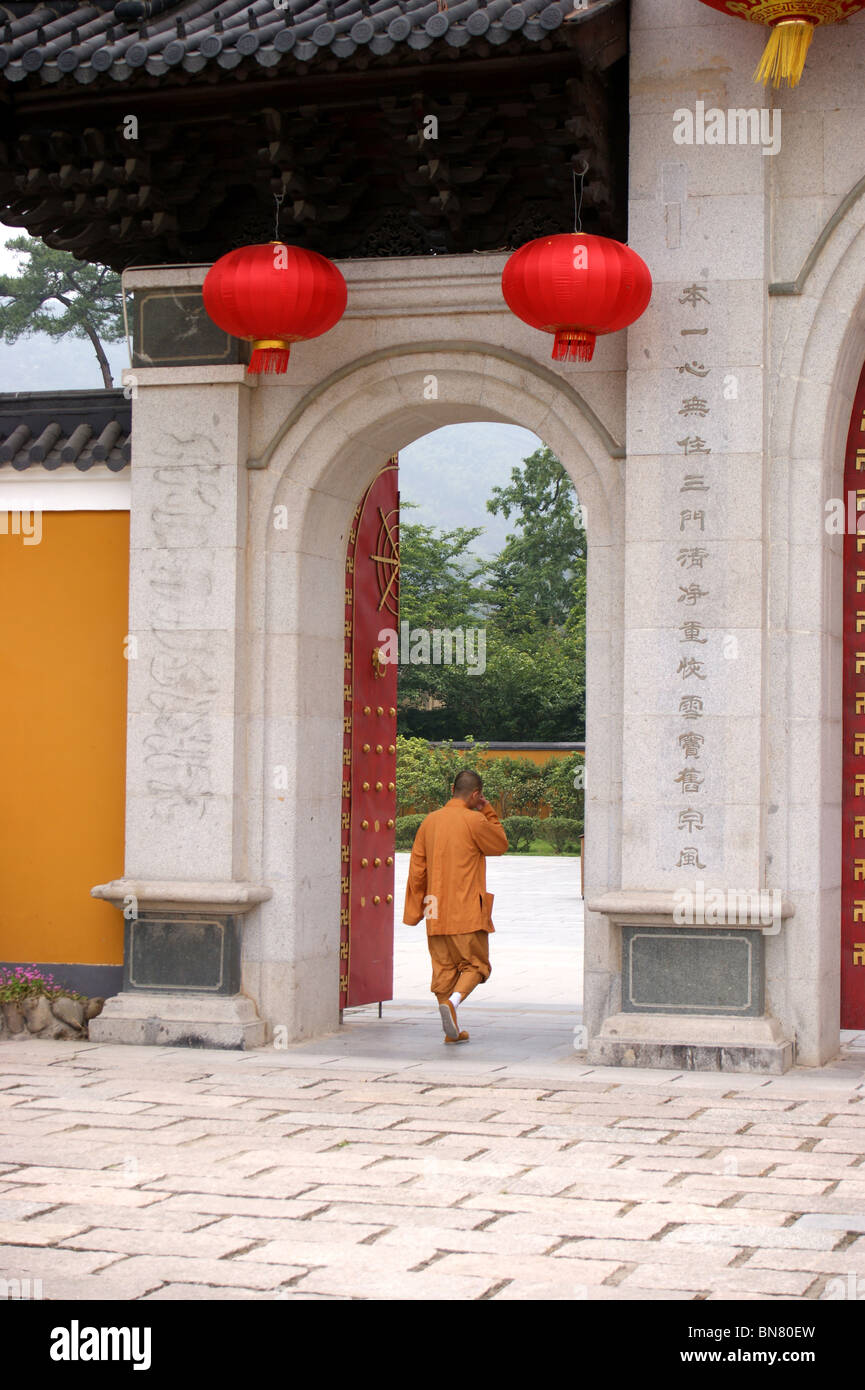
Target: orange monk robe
x: 447, y: 880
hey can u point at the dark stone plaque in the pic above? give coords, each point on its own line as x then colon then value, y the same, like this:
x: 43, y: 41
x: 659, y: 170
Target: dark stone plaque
x: 170, y: 328
x: 675, y: 970
x: 182, y: 952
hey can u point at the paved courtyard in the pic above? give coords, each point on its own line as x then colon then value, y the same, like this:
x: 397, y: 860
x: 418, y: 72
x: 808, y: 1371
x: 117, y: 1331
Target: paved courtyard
x: 378, y: 1163
x: 537, y: 947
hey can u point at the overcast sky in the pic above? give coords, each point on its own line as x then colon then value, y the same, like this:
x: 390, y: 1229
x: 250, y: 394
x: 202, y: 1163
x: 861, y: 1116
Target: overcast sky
x: 40, y: 363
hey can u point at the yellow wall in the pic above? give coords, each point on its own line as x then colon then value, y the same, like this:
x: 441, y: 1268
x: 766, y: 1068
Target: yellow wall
x: 63, y: 736
x: 539, y: 756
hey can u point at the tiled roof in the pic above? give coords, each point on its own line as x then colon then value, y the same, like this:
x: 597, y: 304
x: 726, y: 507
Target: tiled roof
x: 46, y: 429
x: 160, y: 36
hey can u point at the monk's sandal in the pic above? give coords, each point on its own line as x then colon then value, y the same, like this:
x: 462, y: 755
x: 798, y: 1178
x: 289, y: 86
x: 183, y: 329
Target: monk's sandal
x: 449, y: 1021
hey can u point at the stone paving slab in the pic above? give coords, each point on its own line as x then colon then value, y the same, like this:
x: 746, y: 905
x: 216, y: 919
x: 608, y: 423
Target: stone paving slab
x: 393, y: 1285
x: 320, y: 1173
x: 730, y: 1283
x: 185, y: 1293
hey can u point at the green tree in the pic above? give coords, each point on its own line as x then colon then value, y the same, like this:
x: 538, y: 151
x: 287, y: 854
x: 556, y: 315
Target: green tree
x: 530, y: 602
x: 439, y: 588
x: 533, y: 688
x: 539, y: 576
x: 90, y: 297
x: 438, y: 576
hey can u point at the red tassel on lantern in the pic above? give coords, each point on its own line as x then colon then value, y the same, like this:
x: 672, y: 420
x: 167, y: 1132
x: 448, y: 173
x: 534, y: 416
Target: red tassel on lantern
x: 791, y: 28
x: 576, y: 286
x: 573, y: 345
x: 274, y: 295
x: 269, y: 357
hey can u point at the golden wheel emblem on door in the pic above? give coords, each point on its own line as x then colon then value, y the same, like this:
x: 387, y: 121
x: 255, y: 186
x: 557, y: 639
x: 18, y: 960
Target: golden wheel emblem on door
x: 386, y: 558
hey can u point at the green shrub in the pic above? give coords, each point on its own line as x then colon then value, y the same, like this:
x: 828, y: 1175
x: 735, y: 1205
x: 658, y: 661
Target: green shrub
x: 406, y: 829
x: 514, y: 785
x: 521, y: 830
x: 562, y: 833
x: 425, y: 776
x: 560, y: 793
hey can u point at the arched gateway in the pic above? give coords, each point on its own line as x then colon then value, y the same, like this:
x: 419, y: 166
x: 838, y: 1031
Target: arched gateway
x: 242, y: 505
x: 412, y: 150
x: 242, y: 501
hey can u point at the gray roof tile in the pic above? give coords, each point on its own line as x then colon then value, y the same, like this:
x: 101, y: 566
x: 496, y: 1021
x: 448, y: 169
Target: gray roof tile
x: 44, y: 429
x: 163, y: 35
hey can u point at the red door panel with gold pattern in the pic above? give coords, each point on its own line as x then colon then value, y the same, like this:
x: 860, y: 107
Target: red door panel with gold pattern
x: 853, y: 728
x: 369, y: 746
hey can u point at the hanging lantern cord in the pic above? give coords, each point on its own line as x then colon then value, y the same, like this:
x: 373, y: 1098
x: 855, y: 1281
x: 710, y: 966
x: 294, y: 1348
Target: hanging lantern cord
x: 279, y: 199
x: 578, y: 207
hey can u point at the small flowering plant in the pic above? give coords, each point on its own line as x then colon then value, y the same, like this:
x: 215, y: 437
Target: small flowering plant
x: 28, y: 982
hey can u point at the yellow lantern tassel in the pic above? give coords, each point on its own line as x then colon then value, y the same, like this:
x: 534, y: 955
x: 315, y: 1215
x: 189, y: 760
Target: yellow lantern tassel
x: 784, y: 55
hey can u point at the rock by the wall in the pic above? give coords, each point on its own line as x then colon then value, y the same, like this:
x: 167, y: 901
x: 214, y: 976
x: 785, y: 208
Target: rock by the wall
x: 40, y: 1017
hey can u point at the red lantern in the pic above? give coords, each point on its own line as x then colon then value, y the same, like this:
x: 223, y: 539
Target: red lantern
x: 576, y: 285
x: 792, y: 23
x: 272, y: 296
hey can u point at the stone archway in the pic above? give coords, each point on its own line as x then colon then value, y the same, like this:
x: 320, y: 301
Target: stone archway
x: 822, y: 336
x: 320, y: 467
x: 242, y: 493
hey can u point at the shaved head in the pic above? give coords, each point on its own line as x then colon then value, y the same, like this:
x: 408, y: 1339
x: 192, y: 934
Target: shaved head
x: 467, y: 782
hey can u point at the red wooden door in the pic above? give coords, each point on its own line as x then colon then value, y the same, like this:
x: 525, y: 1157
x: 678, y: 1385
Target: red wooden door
x: 369, y: 745
x: 853, y: 727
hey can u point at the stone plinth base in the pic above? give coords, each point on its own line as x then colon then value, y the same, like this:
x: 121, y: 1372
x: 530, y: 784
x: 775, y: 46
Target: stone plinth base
x: 179, y: 1020
x: 692, y: 1043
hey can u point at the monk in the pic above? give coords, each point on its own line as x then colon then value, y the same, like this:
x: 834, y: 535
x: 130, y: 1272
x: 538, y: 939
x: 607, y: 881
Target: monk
x: 447, y: 885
